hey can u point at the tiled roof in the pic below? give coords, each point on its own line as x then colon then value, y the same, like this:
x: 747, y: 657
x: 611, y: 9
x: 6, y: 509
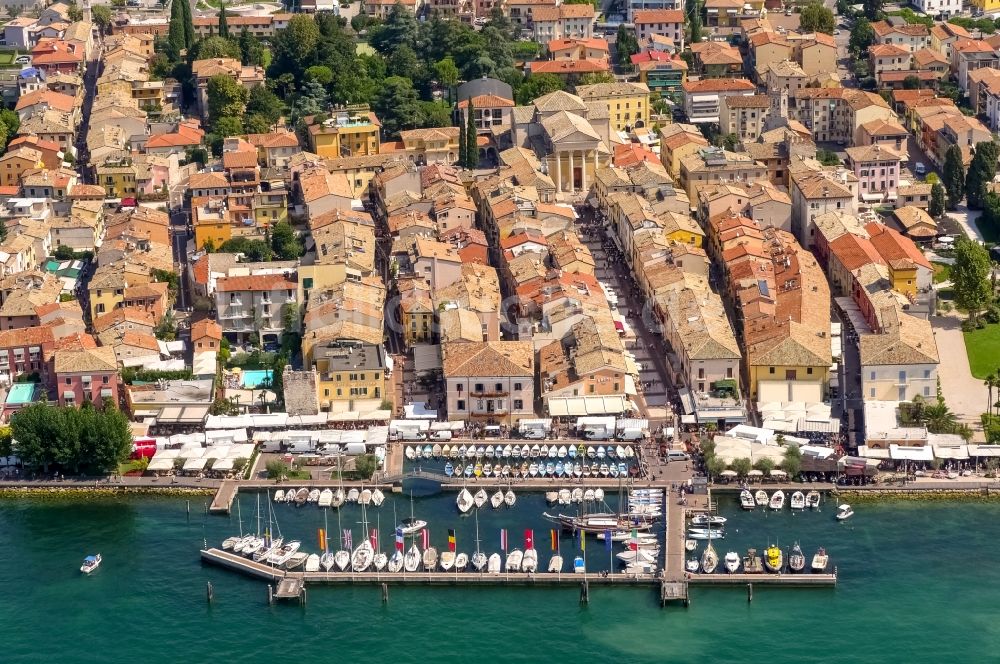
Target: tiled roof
x: 748, y: 101
x: 100, y: 359
x: 658, y: 16
x: 718, y: 85
x: 854, y: 251
x: 487, y: 101
x: 206, y: 327
x: 489, y: 358
x: 258, y: 282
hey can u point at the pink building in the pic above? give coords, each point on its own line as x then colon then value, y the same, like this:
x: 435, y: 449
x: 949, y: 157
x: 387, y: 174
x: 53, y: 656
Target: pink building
x: 877, y: 169
x: 86, y: 374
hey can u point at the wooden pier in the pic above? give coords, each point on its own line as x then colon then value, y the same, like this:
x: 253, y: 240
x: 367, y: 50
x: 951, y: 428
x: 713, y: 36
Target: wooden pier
x: 224, y: 497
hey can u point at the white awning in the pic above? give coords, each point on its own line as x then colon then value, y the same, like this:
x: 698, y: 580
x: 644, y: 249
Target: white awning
x: 195, y: 464
x: 223, y: 464
x: 899, y: 453
x: 984, y: 450
x: 591, y: 405
x: 160, y: 463
x: 951, y: 452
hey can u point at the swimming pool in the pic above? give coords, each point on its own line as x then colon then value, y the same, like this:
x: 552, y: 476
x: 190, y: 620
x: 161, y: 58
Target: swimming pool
x: 22, y: 393
x: 254, y: 377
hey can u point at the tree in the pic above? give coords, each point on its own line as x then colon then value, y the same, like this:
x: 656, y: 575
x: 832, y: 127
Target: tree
x: 398, y: 106
x: 873, y: 9
x: 792, y: 462
x: 88, y: 439
x: 226, y: 98
x: 937, y: 204
x: 102, y: 17
x: 982, y: 170
x: 64, y: 252
x: 827, y: 157
x: 227, y: 126
x: 312, y: 100
x: 816, y: 18
x: 320, y: 73
x: 911, y: 82
x: 764, y: 465
x: 694, y: 24
x: 264, y: 103
x: 295, y: 46
x: 970, y: 276
x: 537, y: 85
x: 400, y: 28
x: 215, y: 47
x: 471, y: 138
x: 596, y: 77
x: 990, y: 383
x: 74, y: 13
x: 284, y: 242
x: 176, y: 38
x: 626, y: 45
x: 953, y: 176
x: 223, y: 23
x: 862, y: 37
x: 366, y: 465
x: 166, y: 328
x: 463, y: 147
x: 276, y: 470
x: 742, y: 466
x: 435, y: 114
x: 251, y: 50
x: 715, y: 466
x: 189, y: 35
x: 255, y: 251
x: 223, y: 407
x: 447, y: 72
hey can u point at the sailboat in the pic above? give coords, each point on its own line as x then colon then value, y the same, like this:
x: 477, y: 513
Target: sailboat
x: 478, y: 558
x: 364, y: 554
x: 461, y: 562
x: 464, y: 501
x: 796, y: 560
x: 378, y: 498
x: 709, y: 559
x: 496, y: 500
x: 412, y: 558
x: 411, y: 525
x: 509, y: 498
x: 380, y: 560
x: 326, y: 560
x: 342, y: 558
x: 430, y: 558
x: 480, y: 498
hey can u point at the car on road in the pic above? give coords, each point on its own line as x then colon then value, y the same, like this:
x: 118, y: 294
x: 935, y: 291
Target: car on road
x: 836, y: 33
x: 22, y: 60
x: 919, y: 168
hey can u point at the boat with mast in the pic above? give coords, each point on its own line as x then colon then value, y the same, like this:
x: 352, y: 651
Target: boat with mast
x: 478, y: 558
x: 796, y: 559
x: 326, y: 560
x: 364, y: 554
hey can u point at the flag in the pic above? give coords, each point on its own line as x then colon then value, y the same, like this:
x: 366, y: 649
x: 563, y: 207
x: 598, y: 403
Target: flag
x: 451, y: 539
x: 607, y: 540
x: 267, y: 538
x: 322, y: 539
x: 633, y: 542
x: 373, y: 538
x: 555, y: 540
x: 583, y: 541
x: 529, y: 539
x: 425, y: 540
x: 348, y: 540
x: 399, y: 539
x: 503, y: 539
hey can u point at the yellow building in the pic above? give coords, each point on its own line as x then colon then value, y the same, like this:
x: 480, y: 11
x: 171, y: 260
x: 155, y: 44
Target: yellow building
x: 903, y: 275
x: 676, y: 142
x: 351, y: 132
x: 348, y: 371
x: 417, y: 313
x: 210, y: 222
x: 987, y: 6
x: 628, y: 103
x: 270, y: 207
x: 106, y: 289
x: 118, y: 181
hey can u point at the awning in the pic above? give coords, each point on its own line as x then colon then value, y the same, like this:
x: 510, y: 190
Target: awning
x: 160, y: 463
x: 984, y: 450
x: 755, y: 473
x: 686, y: 401
x: 951, y: 452
x: 872, y: 453
x: 900, y: 453
x: 223, y: 464
x: 195, y: 464
x: 591, y: 405
x: 871, y: 198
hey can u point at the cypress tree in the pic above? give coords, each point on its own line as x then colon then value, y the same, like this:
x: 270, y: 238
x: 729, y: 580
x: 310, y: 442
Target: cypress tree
x: 175, y: 35
x: 463, y: 152
x: 953, y: 176
x: 471, y: 145
x: 982, y: 170
x: 189, y: 36
x: 936, y: 208
x: 223, y: 25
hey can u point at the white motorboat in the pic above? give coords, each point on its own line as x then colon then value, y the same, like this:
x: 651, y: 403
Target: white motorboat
x: 365, y: 497
x: 266, y: 550
x: 706, y: 534
x: 796, y: 559
x: 812, y: 499
x: 312, y: 563
x: 353, y: 495
x: 565, y: 496
x: 641, y: 555
x: 690, y: 544
x: 380, y: 561
x: 290, y: 495
x: 777, y: 501
x: 746, y: 500
x: 496, y: 500
x: 313, y: 496
x: 378, y: 498
x: 493, y: 564
x: 478, y: 561
x: 447, y: 560
x: 529, y: 563
x: 579, y: 565
x: 411, y: 561
x: 325, y: 500
x: 326, y: 561
x: 588, y: 495
x: 296, y: 559
x: 599, y: 494
x: 338, y: 497
x: 798, y: 501
x: 464, y: 501
x: 410, y: 526
x: 760, y: 498
x: 708, y: 520
x: 90, y: 563
x: 844, y: 512
x: 342, y: 559
x: 509, y: 498
x: 283, y: 554
x: 251, y: 547
x: 411, y: 452
x: 481, y: 498
x: 363, y: 556
x: 551, y: 496
x: 577, y: 495
x: 430, y: 558
x: 395, y: 563
x: 820, y: 560
x: 279, y: 496
x: 514, y: 559
x: 230, y: 542
x: 555, y: 563
x: 562, y: 452
x: 301, y: 497
x: 732, y: 561
x: 436, y: 450
x: 692, y: 565
x: 461, y: 562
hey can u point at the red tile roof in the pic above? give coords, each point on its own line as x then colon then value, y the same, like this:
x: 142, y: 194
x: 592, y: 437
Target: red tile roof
x: 257, y: 282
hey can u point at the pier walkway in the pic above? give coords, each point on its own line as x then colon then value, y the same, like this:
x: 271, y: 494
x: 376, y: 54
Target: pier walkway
x: 224, y: 497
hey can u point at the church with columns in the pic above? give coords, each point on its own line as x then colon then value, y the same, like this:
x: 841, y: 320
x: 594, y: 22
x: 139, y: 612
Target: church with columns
x: 571, y: 138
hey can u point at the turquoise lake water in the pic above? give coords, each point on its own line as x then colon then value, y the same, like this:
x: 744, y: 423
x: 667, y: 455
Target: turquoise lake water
x: 919, y: 583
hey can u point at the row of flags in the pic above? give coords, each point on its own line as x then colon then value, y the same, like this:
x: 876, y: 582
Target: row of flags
x: 579, y: 541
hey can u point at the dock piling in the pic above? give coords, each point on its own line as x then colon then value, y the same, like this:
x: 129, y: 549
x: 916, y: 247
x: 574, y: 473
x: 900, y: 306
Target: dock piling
x: 584, y: 592
x: 270, y: 594
x: 749, y: 593
x: 385, y: 593
x: 303, y: 596
x: 189, y: 509
x: 210, y: 592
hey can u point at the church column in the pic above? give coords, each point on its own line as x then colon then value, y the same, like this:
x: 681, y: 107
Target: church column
x: 571, y: 183
x: 558, y: 172
x: 597, y: 163
x: 583, y: 171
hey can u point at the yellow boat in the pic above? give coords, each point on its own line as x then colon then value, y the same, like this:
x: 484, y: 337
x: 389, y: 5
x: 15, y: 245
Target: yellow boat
x: 478, y: 469
x: 773, y: 558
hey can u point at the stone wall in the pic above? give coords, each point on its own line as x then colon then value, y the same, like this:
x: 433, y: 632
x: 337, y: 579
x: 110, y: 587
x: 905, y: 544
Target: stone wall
x: 301, y: 394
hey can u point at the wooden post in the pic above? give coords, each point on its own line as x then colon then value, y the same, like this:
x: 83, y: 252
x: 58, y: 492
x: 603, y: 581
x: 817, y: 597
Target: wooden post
x: 210, y: 591
x: 749, y: 593
x: 385, y: 593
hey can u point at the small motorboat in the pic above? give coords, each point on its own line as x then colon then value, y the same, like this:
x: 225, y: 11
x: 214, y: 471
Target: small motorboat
x: 732, y: 561
x: 599, y: 494
x: 325, y: 500
x: 820, y: 560
x: 529, y: 563
x: 378, y: 498
x: 365, y: 497
x: 588, y: 495
x: 746, y: 500
x: 760, y: 498
x: 461, y: 562
x: 312, y: 563
x: 692, y: 565
x: 409, y: 525
x: 411, y: 561
x: 565, y: 496
x: 447, y: 560
x: 796, y: 561
x: 533, y: 469
x: 459, y: 469
x: 478, y: 561
x: 551, y: 497
x: 353, y: 495
x: 844, y: 512
x: 487, y: 469
x: 798, y: 501
x: 514, y: 559
x: 708, y: 520
x: 481, y: 498
x: 446, y: 451
x: 638, y: 556
x: 709, y: 559
x: 428, y: 451
x: 579, y: 565
x: 773, y: 558
x: 279, y: 496
x: 301, y: 496
x: 555, y: 562
x: 395, y: 563
x: 777, y: 501
x: 477, y: 470
x: 296, y: 559
x: 812, y: 499
x: 90, y: 563
x: 338, y: 497
x: 562, y: 452
x: 751, y: 562
x: 449, y: 469
x: 690, y: 544
x: 230, y: 542
x: 509, y: 498
x: 313, y: 496
x: 493, y: 564
x: 706, y: 534
x: 496, y: 500
x: 410, y: 452
x: 577, y: 495
x: 290, y: 496
x: 464, y: 501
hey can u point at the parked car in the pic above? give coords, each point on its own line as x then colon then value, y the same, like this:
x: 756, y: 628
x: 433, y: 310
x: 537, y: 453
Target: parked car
x: 919, y: 168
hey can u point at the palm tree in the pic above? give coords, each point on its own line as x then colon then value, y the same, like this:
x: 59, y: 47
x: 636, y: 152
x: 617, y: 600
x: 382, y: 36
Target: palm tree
x: 938, y: 418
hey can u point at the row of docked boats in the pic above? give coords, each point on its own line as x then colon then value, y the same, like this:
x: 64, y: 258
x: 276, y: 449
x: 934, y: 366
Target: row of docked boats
x: 773, y: 560
x: 575, y: 495
x: 330, y: 497
x: 514, y: 451
x: 541, y: 469
x: 640, y: 512
x: 466, y: 500
x: 776, y: 501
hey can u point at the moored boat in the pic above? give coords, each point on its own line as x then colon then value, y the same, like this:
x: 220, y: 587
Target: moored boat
x: 760, y: 497
x: 812, y: 499
x: 353, y: 495
x: 496, y: 500
x: 312, y: 563
x: 325, y: 500
x: 481, y: 498
x: 529, y: 563
x: 395, y: 563
x: 555, y: 563
x: 692, y: 564
x: 844, y: 512
x: 313, y: 496
x: 279, y: 496
x: 751, y: 562
x: 708, y: 520
x: 464, y: 501
x: 447, y: 561
x: 796, y: 560
x: 509, y: 498
x: 732, y: 562
x: 798, y: 501
x: 746, y: 500
x: 777, y: 501
x: 494, y: 564
x: 820, y: 560
x: 461, y: 562
x: 514, y: 559
x: 410, y: 526
x: 342, y: 559
x: 773, y: 558
x: 411, y: 561
x: 709, y: 559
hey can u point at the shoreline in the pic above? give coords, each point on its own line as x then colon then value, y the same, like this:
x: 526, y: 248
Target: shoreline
x: 45, y: 490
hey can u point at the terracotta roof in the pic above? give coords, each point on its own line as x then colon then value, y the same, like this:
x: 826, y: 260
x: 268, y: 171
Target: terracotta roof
x: 972, y: 46
x: 487, y: 101
x: 583, y: 66
x: 239, y: 159
x: 56, y: 100
x: 258, y: 282
x: 658, y: 16
x: 883, y: 28
x: 124, y: 314
x: 139, y: 340
x: 884, y: 128
x: 206, y: 327
x: 748, y: 101
x: 184, y: 136
x: 100, y: 360
x: 926, y: 56
x: 489, y: 358
x: 26, y: 336
x: 854, y: 251
x: 886, y: 50
x: 208, y: 181
x: 718, y: 85
x: 876, y: 152
x: 912, y: 218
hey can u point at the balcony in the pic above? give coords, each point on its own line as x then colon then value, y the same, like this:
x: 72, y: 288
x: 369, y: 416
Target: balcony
x: 486, y: 394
